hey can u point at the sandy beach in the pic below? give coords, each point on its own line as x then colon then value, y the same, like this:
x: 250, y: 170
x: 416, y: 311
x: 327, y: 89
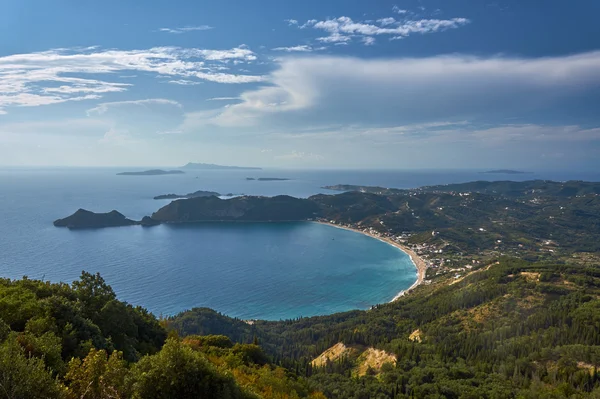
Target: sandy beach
x: 419, y: 263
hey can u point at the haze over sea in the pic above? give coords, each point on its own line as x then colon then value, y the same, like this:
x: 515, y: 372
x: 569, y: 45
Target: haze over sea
x: 254, y: 270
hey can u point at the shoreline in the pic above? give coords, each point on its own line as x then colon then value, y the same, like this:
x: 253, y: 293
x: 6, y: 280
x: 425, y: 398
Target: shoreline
x: 417, y: 261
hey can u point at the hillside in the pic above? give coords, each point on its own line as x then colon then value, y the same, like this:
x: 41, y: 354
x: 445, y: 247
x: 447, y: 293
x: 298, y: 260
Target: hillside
x: 512, y: 330
x: 79, y: 341
x: 245, y: 208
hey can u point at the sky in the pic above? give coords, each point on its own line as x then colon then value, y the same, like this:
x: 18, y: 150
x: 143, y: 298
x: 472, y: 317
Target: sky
x: 353, y: 84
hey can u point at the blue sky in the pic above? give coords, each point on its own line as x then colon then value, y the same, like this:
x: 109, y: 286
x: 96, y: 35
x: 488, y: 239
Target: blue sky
x: 311, y: 84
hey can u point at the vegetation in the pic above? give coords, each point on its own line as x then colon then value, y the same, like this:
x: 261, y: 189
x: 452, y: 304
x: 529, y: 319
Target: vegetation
x: 78, y: 341
x: 523, y: 321
x: 514, y: 330
x: 511, y: 330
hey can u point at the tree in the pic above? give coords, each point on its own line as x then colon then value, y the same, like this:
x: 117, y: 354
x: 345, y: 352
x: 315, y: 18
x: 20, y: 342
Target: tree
x: 99, y: 376
x: 25, y: 377
x: 177, y: 371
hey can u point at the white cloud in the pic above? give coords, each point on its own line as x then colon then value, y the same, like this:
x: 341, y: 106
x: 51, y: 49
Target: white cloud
x: 334, y: 38
x: 184, y: 82
x: 342, y: 29
x: 186, y: 29
x: 47, y: 77
x: 291, y: 22
x: 222, y: 99
x: 399, y: 10
x: 386, y: 21
x: 300, y: 48
x: 327, y: 89
x: 368, y: 40
x: 104, y: 107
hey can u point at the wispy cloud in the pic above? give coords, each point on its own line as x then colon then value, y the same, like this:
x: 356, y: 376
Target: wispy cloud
x: 104, y: 107
x: 399, y: 10
x: 299, y: 155
x: 301, y: 48
x: 186, y: 29
x: 222, y: 99
x: 343, y: 29
x: 368, y: 40
x: 184, y: 82
x: 31, y: 79
x: 413, y: 89
x: 292, y: 22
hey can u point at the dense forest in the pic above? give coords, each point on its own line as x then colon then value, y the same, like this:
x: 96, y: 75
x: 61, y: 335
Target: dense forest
x: 79, y: 341
x: 512, y: 329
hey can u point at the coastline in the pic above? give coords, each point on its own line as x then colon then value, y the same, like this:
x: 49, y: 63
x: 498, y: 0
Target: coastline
x: 417, y: 261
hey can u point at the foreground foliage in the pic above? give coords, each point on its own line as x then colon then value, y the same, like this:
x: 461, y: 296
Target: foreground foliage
x: 80, y: 342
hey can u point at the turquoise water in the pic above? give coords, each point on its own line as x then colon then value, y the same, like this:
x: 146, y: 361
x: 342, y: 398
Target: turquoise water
x: 253, y: 270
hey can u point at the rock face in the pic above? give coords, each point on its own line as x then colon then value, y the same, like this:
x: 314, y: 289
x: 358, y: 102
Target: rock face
x: 83, y: 219
x: 280, y: 208
x: 190, y: 195
x: 153, y: 172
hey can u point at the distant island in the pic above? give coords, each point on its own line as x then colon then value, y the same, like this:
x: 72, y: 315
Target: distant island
x: 504, y: 172
x: 195, y: 194
x: 153, y: 172
x: 267, y: 178
x: 210, y: 166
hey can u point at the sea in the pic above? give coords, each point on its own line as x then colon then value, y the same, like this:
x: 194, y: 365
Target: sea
x: 269, y: 271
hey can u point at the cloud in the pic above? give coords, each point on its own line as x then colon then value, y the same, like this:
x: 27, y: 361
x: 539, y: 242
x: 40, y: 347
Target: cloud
x: 104, y: 107
x: 47, y: 77
x: 327, y: 89
x: 300, y: 48
x: 116, y: 137
x: 186, y: 29
x: 343, y: 29
x: 183, y: 82
x: 399, y: 10
x: 299, y: 155
x: 335, y: 38
x: 386, y: 21
x: 368, y: 40
x: 222, y: 99
x: 291, y: 22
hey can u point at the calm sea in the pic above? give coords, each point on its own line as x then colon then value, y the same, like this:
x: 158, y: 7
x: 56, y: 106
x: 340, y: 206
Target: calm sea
x: 254, y: 270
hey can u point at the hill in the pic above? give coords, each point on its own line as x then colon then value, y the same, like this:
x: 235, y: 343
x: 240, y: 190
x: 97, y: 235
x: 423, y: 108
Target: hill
x: 83, y: 219
x: 153, y: 172
x: 210, y: 166
x: 509, y: 329
x: 245, y: 208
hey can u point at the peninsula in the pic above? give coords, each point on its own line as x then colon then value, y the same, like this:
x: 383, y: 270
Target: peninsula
x: 210, y: 166
x: 153, y: 172
x: 195, y: 194
x: 504, y: 172
x: 268, y: 178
